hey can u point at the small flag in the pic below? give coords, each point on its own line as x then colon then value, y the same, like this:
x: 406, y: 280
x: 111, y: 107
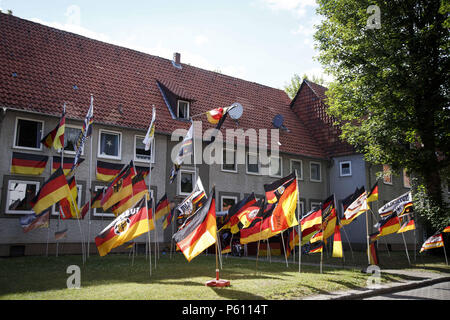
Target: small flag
x: 199, y: 230
x: 140, y: 189
x: 357, y: 206
x: 126, y: 227
x: 60, y: 234
x: 33, y: 221
x: 239, y: 211
x: 67, y: 166
x: 150, y: 132
x: 162, y: 208
x: 52, y: 191
x: 29, y: 164
x: 247, y: 214
x: 329, y: 217
x: 85, y: 133
x: 227, y: 249
x: 311, y: 219
x: 260, y: 228
x: 388, y: 225
x: 373, y: 252
x: 214, y: 115
x: 292, y: 241
x: 120, y: 188
x: 446, y: 229
x: 407, y: 225
x: 435, y: 241
x: 315, y: 247
x: 55, y: 138
x: 168, y: 220
x: 373, y: 194
x: 398, y: 205
x: 68, y: 207
x: 107, y: 171
x: 193, y: 201
x: 337, y: 243
x: 185, y: 151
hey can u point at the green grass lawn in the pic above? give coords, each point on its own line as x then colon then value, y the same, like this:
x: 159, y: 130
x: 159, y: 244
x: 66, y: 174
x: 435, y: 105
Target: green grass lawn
x: 114, y: 277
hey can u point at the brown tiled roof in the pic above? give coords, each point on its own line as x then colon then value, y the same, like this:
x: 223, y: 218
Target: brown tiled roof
x: 41, y: 68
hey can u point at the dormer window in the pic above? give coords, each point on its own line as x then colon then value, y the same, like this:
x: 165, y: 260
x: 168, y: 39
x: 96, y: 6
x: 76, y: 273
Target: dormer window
x: 182, y: 109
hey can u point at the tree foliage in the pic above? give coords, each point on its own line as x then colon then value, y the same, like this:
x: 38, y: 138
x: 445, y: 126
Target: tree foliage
x: 391, y: 88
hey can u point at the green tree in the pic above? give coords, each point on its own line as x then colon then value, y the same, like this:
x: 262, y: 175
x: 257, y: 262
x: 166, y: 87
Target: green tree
x: 291, y: 89
x: 391, y: 90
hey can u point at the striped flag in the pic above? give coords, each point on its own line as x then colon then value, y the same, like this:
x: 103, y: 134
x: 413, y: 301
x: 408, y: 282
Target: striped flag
x: 199, y: 231
x: 52, y: 191
x: 407, y: 225
x: 168, y: 220
x: 68, y: 207
x: 29, y: 164
x: 55, y: 138
x: 107, y: 171
x: 337, y: 243
x: 120, y: 188
x: 140, y: 189
x: 398, y: 205
x: 373, y: 194
x: 357, y: 206
x: 126, y: 227
x: 239, y: 213
x: 67, y: 166
x: 388, y: 225
x: 311, y: 219
x: 162, y: 208
x: 435, y: 241
x: 260, y: 228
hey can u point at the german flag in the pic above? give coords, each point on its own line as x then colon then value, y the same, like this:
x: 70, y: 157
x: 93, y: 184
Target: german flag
x: 337, y: 243
x: 284, y: 193
x: 408, y: 224
x: 67, y: 166
x: 214, y: 115
x: 144, y: 171
x: 373, y: 194
x: 162, y: 208
x: 96, y: 200
x: 318, y: 236
x: 236, y: 211
x: 446, y: 229
x: 435, y: 241
x: 126, y: 227
x: 354, y: 206
x: 68, y: 207
x: 248, y: 214
x: 168, y: 220
x: 308, y: 234
x: 311, y: 219
x: 373, y: 252
x: 120, y: 188
x: 260, y: 228
x: 199, y: 230
x: 388, y: 225
x: 30, y: 164
x: 329, y: 217
x: 139, y: 190
x: 315, y: 247
x: 107, y: 171
x: 292, y: 241
x: 55, y: 138
x: 52, y: 191
x: 227, y: 249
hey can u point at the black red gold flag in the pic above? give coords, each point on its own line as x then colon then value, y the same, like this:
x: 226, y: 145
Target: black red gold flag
x: 67, y: 166
x: 435, y: 241
x: 29, y: 164
x: 107, y: 171
x: 120, y: 188
x: 373, y: 193
x: 162, y: 208
x: 55, y: 138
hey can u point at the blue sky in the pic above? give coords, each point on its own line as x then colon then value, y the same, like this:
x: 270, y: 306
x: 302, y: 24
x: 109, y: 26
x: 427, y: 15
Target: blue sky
x: 264, y: 41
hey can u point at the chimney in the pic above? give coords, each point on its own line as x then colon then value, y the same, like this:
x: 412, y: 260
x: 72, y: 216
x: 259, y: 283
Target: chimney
x: 176, y: 58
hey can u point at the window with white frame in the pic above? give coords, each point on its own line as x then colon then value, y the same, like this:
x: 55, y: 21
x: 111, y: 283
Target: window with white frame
x: 297, y: 165
x: 186, y: 182
x: 252, y: 163
x: 28, y: 134
x: 55, y: 210
x: 315, y: 171
x: 276, y: 166
x: 226, y: 202
x: 316, y: 205
x: 109, y: 144
x: 183, y: 109
x: 71, y: 134
x: 345, y: 168
x: 229, y: 160
x: 139, y: 150
x: 19, y: 196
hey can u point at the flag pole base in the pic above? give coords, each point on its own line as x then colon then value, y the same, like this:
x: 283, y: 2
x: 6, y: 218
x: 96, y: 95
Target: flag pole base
x: 217, y: 282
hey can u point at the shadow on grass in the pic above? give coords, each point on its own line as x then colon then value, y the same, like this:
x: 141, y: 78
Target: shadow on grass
x: 233, y: 294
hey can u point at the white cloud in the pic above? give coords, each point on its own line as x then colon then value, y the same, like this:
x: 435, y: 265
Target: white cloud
x: 200, y: 39
x: 298, y: 7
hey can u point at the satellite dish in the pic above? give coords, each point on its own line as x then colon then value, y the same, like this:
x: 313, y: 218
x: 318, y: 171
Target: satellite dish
x: 236, y: 111
x: 278, y: 121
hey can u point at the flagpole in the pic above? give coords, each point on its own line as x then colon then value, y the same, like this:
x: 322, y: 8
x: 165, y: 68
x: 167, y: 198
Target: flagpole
x: 48, y: 236
x: 259, y: 240
x: 284, y: 249
x: 445, y: 253
x: 367, y: 237
x: 298, y: 227
x: 406, y: 248
x: 90, y: 183
x: 148, y: 233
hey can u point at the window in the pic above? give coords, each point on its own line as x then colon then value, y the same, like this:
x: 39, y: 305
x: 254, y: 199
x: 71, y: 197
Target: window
x: 71, y: 134
x: 387, y: 174
x: 186, y: 182
x: 314, y: 171
x: 276, y: 166
x: 98, y: 212
x: 183, y: 109
x: 252, y: 163
x: 229, y: 160
x: 19, y: 195
x: 226, y: 202
x: 316, y: 205
x: 139, y: 150
x: 55, y: 210
x: 345, y: 168
x: 109, y: 144
x: 28, y: 134
x: 406, y: 179
x: 297, y: 165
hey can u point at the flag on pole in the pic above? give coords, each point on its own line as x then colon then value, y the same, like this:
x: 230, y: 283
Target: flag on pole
x: 215, y: 115
x: 199, y: 231
x: 248, y: 214
x: 337, y: 243
x: 193, y: 201
x: 162, y: 208
x: 139, y: 190
x: 185, y: 151
x: 435, y: 241
x: 168, y: 220
x: 373, y: 252
x: 126, y: 227
x: 398, y: 205
x: 373, y: 194
x: 52, y: 191
x: 237, y: 212
x: 260, y: 228
x: 120, y: 188
x: 67, y: 166
x: 315, y: 247
x: 150, y: 132
x: 407, y: 224
x: 357, y: 206
x: 387, y: 225
x: 29, y: 164
x: 284, y: 193
x: 68, y: 207
x: 107, y: 171
x: 311, y: 219
x: 55, y: 138
x: 32, y: 221
x: 292, y: 241
x: 85, y: 133
x: 329, y: 217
